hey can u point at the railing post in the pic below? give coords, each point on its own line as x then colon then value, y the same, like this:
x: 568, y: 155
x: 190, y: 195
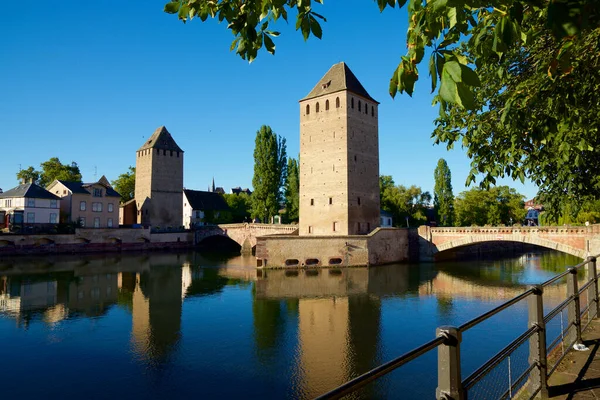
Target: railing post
x: 574, y: 309
x: 449, y: 377
x: 537, y: 343
x: 594, y: 304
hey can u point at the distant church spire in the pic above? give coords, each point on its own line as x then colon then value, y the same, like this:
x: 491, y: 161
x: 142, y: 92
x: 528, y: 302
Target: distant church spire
x: 213, y: 185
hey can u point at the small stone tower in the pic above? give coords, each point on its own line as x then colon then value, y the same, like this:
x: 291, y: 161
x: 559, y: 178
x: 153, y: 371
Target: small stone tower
x: 159, y: 181
x: 339, y: 157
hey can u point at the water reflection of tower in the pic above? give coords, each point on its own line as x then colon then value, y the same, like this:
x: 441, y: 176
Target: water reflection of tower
x: 156, y: 303
x: 339, y: 340
x: 338, y: 323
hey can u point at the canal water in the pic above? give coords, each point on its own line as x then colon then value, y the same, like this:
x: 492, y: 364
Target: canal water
x: 163, y: 325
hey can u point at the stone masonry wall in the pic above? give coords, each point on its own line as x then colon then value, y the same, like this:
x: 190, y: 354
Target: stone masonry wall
x: 363, y: 165
x: 324, y: 166
x: 94, y: 240
x: 384, y: 245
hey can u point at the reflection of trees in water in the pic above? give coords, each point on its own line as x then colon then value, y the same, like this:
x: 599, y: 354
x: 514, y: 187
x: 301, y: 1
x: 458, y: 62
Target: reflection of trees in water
x: 508, y: 271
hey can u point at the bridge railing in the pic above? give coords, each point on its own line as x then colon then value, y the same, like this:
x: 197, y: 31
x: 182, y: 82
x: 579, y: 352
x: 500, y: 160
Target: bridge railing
x: 522, y: 368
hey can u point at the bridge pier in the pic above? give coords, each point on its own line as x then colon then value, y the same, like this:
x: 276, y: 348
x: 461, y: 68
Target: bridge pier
x: 246, y: 248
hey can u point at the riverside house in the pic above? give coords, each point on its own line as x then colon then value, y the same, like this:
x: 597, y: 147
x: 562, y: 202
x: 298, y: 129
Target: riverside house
x: 94, y: 205
x: 28, y: 207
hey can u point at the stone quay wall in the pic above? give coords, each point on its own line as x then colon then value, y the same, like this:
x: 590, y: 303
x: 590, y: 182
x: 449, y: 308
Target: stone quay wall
x: 382, y: 246
x: 94, y: 241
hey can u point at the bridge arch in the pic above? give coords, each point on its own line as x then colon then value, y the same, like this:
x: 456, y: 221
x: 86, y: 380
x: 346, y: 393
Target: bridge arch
x: 219, y: 242
x: 537, y: 241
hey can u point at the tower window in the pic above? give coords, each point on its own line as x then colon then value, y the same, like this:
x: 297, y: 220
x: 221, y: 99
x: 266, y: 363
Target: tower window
x: 157, y: 152
x: 358, y: 200
x: 317, y: 107
x: 366, y: 108
x: 335, y: 226
x: 177, y: 154
x: 310, y: 229
x: 352, y: 102
x: 331, y: 200
x: 312, y: 202
x: 164, y: 152
x: 359, y: 105
x: 372, y: 111
x: 326, y: 105
x: 307, y: 109
x: 355, y: 154
x: 171, y: 153
x: 337, y: 102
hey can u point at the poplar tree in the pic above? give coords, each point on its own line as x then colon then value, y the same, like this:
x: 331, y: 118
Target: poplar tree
x: 292, y: 190
x: 443, y: 199
x: 270, y: 167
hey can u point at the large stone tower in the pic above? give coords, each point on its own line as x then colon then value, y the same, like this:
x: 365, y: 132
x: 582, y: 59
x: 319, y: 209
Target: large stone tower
x: 339, y: 157
x: 159, y: 181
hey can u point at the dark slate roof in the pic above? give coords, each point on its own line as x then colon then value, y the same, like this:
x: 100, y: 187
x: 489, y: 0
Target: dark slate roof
x: 161, y: 139
x: 78, y: 187
x: 110, y: 192
x: 74, y: 187
x: 29, y: 190
x: 338, y: 78
x: 205, y: 201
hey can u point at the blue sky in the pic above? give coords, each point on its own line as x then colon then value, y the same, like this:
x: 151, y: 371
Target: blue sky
x: 90, y: 81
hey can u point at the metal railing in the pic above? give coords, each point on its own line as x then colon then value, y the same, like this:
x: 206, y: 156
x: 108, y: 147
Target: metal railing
x: 533, y: 379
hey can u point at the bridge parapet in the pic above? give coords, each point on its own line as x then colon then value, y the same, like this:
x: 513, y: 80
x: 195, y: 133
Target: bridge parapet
x: 576, y: 240
x: 244, y: 234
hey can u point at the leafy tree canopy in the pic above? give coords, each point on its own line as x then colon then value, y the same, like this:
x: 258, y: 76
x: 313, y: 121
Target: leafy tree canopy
x: 270, y: 165
x: 516, y: 80
x: 51, y: 170
x: 573, y: 213
x: 240, y: 205
x: 405, y: 204
x: 499, y: 205
x: 125, y: 185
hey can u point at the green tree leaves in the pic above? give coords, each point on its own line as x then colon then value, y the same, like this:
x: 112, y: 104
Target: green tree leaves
x: 125, y: 185
x: 270, y: 168
x: 443, y: 198
x: 51, y: 170
x: 405, y: 204
x: 249, y: 20
x: 500, y: 205
x: 292, y: 191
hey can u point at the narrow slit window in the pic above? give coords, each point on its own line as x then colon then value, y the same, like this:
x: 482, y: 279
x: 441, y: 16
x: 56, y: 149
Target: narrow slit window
x: 326, y: 105
x: 337, y: 102
x: 317, y: 107
x: 307, y: 109
x: 331, y: 200
x: 358, y: 199
x: 359, y: 105
x: 352, y: 102
x: 312, y: 202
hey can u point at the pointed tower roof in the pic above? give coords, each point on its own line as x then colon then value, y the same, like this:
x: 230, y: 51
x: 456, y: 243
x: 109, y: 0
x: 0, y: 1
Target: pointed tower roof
x: 161, y: 139
x: 338, y: 78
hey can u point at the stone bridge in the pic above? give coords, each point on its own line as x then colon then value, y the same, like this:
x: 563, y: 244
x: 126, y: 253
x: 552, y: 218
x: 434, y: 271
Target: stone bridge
x: 244, y: 234
x: 580, y: 241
